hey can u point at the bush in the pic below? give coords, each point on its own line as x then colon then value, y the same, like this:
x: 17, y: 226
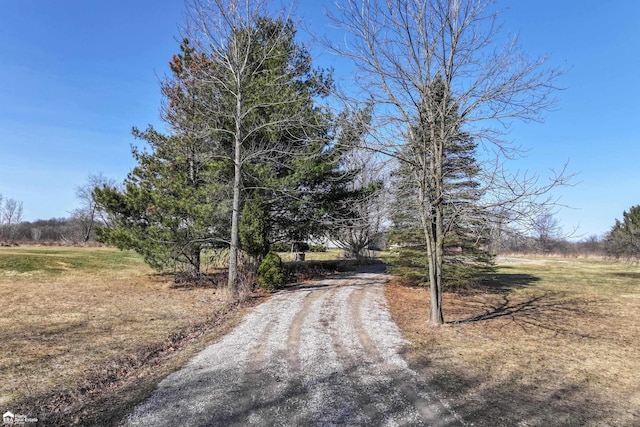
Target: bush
x: 272, y: 274
x: 281, y: 247
x: 317, y: 248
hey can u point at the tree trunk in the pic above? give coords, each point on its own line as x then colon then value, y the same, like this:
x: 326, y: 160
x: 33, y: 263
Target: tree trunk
x: 436, y: 317
x: 235, y: 217
x: 195, y: 260
x: 434, y: 260
x: 438, y: 140
x: 435, y: 249
x: 87, y: 235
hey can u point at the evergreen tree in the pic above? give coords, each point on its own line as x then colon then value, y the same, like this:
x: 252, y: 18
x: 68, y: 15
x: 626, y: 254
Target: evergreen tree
x: 465, y: 234
x: 175, y: 202
x: 254, y: 227
x: 242, y: 133
x: 304, y: 203
x: 623, y: 241
x: 256, y: 99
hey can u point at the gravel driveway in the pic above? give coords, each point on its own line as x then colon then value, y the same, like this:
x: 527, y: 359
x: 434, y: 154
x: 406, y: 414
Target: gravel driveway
x: 320, y: 355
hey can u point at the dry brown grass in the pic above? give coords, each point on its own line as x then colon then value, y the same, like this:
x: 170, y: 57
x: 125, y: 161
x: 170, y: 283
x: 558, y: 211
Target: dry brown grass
x: 554, y: 342
x: 87, y: 332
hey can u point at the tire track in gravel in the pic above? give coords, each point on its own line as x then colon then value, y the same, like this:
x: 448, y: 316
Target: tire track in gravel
x: 293, y: 339
x: 350, y: 354
x: 432, y: 410
x: 320, y: 355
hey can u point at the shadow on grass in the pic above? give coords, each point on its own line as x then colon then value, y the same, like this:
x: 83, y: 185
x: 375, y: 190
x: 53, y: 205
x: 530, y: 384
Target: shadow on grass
x: 627, y: 275
x: 549, y: 311
x: 499, y: 286
x: 503, y: 404
x: 536, y: 308
x: 508, y: 281
x: 487, y: 403
x: 506, y: 307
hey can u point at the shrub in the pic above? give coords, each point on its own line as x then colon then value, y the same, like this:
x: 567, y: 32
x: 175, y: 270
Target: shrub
x: 272, y: 274
x: 281, y: 247
x: 254, y: 228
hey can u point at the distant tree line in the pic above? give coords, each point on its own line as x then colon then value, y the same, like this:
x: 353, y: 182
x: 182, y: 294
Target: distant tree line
x: 63, y: 230
x: 517, y: 243
x: 545, y: 237
x: 72, y: 231
x: 78, y: 228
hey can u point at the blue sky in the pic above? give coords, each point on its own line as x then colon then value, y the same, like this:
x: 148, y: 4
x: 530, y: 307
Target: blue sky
x: 76, y: 75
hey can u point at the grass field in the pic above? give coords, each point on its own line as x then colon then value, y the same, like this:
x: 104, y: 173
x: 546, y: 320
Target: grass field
x: 86, y: 332
x: 547, y: 342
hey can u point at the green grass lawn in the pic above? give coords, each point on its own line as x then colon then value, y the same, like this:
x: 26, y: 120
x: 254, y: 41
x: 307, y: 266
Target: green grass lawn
x: 46, y: 261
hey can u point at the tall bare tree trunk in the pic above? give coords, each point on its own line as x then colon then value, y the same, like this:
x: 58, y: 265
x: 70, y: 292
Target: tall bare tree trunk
x: 432, y: 218
x: 435, y: 276
x: 436, y: 317
x: 439, y: 134
x: 235, y: 216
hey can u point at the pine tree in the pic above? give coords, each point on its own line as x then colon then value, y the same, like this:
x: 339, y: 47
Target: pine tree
x: 245, y: 129
x: 258, y: 104
x: 173, y: 205
x: 623, y: 241
x: 464, y: 237
x: 255, y: 227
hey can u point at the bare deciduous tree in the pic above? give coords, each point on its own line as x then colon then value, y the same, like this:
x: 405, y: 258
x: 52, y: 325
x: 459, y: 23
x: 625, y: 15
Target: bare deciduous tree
x: 258, y: 78
x: 360, y: 226
x: 400, y: 48
x: 90, y: 213
x: 10, y: 216
x: 546, y: 230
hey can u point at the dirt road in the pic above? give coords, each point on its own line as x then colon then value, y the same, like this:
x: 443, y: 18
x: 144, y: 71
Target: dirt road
x: 320, y: 355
